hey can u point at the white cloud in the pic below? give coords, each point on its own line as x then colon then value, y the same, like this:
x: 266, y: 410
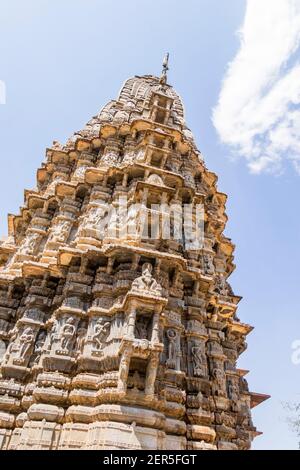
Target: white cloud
x: 258, y: 111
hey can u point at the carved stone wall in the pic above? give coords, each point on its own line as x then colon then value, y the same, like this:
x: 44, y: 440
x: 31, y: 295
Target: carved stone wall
x: 112, y: 342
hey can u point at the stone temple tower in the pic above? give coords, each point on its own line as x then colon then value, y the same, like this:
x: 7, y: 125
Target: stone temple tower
x: 111, y: 338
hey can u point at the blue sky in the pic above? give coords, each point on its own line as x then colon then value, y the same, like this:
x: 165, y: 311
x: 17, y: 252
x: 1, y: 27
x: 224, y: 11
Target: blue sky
x: 62, y: 61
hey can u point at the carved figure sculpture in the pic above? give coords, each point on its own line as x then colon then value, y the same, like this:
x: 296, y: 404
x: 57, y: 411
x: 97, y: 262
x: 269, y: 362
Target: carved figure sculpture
x: 81, y: 333
x: 38, y: 347
x: 208, y: 265
x: 25, y: 343
x: 29, y: 244
x: 68, y: 334
x: 172, y: 336
x: 100, y: 332
x: 219, y: 385
x: 198, y: 360
x: 146, y: 281
x: 221, y: 287
x: 141, y: 328
x: 60, y: 232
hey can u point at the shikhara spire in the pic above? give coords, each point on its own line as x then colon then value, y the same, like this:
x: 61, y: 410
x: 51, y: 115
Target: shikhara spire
x: 122, y: 341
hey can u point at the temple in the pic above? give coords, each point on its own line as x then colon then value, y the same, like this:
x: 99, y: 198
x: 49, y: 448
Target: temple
x: 111, y: 338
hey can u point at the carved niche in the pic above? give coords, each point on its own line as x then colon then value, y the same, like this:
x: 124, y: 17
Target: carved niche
x: 21, y: 345
x: 142, y: 328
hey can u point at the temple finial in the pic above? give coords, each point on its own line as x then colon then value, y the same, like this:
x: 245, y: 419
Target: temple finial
x: 163, y: 78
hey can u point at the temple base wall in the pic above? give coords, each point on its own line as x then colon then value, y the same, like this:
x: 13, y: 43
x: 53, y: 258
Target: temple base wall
x: 109, y: 435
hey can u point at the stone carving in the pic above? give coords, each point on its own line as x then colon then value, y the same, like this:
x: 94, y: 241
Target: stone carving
x: 73, y: 302
x: 198, y: 360
x: 233, y: 393
x: 151, y: 375
x: 111, y: 154
x: 123, y: 371
x: 29, y: 244
x: 172, y: 336
x: 155, y: 179
x: 221, y: 286
x: 34, y: 314
x: 245, y: 417
x: 38, y: 347
x: 137, y: 381
x: 80, y: 339
x: 215, y: 348
x: 79, y: 173
x: 208, y: 265
x: 189, y: 179
x: 162, y: 346
x: 2, y: 349
x: 121, y: 116
x: 101, y: 332
x: 95, y: 217
x: 105, y: 116
x: 219, y: 384
x: 146, y: 282
x: 141, y: 328
x: 25, y: 344
x: 134, y: 225
x: 129, y: 106
x: 54, y: 330
x: 60, y: 232
x: 67, y: 335
x: 140, y: 157
x: 13, y: 344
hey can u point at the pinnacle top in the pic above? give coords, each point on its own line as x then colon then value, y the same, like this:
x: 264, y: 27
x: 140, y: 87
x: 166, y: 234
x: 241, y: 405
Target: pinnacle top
x: 163, y: 78
x: 133, y: 102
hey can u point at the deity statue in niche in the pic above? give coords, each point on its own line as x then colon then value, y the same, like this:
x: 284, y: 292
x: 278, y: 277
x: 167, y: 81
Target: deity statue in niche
x: 172, y: 336
x: 67, y: 335
x: 146, y: 281
x: 26, y: 341
x: 13, y: 344
x: 141, y: 328
x: 198, y: 359
x: 81, y: 334
x: 101, y: 331
x: 123, y: 370
x: 38, y: 347
x: 233, y: 392
x: 219, y: 384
